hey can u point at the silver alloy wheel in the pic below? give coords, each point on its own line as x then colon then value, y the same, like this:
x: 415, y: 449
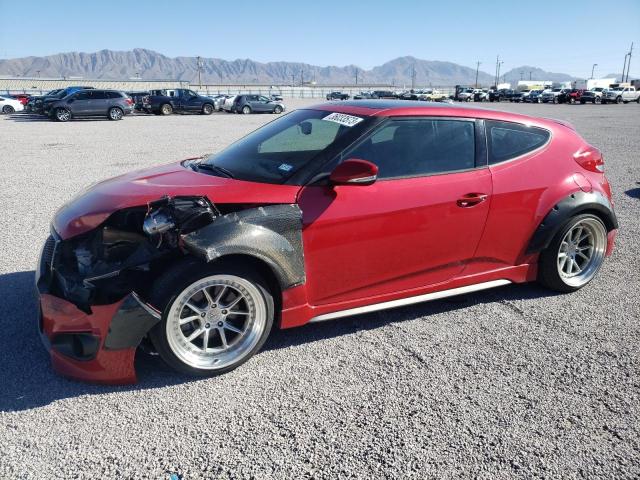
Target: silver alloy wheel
x: 216, y: 322
x: 63, y: 115
x: 246, y: 110
x: 166, y: 109
x: 115, y: 114
x: 582, y: 252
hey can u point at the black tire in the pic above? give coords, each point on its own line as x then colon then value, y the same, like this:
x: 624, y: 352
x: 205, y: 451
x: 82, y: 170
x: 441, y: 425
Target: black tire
x: 597, y: 101
x: 572, y: 100
x: 638, y: 99
x: 167, y: 288
x: 8, y: 109
x: 62, y: 115
x: 582, y: 102
x: 555, y: 99
x: 166, y: 109
x: 277, y: 109
x: 115, y: 114
x: 246, y: 110
x: 548, y: 274
x: 207, y: 109
x: 619, y: 100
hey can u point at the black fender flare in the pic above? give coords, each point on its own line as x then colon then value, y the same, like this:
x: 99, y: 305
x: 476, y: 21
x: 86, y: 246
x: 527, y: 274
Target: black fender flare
x: 272, y: 234
x: 574, y: 204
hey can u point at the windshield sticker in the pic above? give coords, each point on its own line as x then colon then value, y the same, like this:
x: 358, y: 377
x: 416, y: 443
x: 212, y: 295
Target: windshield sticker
x: 343, y: 119
x: 285, y: 167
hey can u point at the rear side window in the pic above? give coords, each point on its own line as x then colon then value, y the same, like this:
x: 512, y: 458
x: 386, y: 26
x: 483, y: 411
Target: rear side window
x: 509, y: 140
x: 99, y: 95
x: 113, y: 94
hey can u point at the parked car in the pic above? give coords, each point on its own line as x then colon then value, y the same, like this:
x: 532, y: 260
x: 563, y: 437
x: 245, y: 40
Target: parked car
x: 203, y: 258
x: 337, y: 96
x: 365, y: 96
x: 228, y: 103
x: 47, y: 101
x: 500, y: 94
x: 31, y: 103
x: 592, y: 96
x: 138, y: 99
x: 535, y: 96
x: 480, y: 95
x: 218, y: 100
x: 434, y: 95
x: 255, y: 104
x: 574, y: 95
x: 178, y: 100
x: 111, y: 104
x: 384, y: 94
x: 621, y: 95
x: 10, y: 105
x: 466, y: 95
x: 550, y: 95
x: 23, y: 98
x: 517, y: 97
x: 276, y: 97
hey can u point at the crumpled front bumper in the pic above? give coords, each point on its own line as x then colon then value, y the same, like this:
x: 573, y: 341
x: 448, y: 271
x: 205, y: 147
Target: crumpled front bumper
x: 99, y: 346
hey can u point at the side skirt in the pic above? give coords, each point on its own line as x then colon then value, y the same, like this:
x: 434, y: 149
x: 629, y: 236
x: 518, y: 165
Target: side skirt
x: 410, y: 301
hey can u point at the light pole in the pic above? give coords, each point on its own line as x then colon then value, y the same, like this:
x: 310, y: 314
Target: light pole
x: 477, y: 70
x: 413, y: 77
x: 498, y: 72
x: 592, y: 69
x: 530, y: 72
x: 199, y: 64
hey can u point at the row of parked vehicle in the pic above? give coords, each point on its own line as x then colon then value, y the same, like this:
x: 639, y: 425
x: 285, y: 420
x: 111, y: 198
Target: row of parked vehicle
x: 428, y: 94
x: 85, y: 101
x: 616, y: 94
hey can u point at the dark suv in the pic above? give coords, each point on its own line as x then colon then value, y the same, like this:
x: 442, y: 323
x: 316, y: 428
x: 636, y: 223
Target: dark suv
x: 92, y: 103
x: 256, y: 104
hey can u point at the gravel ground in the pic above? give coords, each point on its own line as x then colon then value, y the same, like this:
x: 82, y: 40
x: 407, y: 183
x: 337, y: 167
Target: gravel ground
x: 511, y: 383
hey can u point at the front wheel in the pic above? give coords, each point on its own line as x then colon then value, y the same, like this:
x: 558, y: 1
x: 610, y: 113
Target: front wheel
x: 115, y: 114
x: 207, y: 109
x: 278, y: 109
x: 619, y: 100
x: 575, y: 254
x: 214, y: 317
x: 62, y: 115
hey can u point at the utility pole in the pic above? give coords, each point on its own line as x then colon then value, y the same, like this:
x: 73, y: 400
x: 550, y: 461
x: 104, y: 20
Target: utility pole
x: 477, y: 70
x: 38, y: 73
x: 625, y: 66
x: 592, y: 69
x: 413, y: 76
x: 521, y: 73
x: 356, y: 75
x: 199, y: 64
x: 293, y: 79
x: 629, y: 62
x: 496, y: 77
x: 302, y: 77
x: 530, y: 72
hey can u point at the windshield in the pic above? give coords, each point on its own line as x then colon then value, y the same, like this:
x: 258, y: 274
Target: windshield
x: 284, y: 147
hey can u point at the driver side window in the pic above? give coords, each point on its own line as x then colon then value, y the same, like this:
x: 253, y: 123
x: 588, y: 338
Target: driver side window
x: 419, y: 147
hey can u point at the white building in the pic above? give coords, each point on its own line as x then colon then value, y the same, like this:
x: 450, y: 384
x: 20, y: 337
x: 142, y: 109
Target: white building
x: 599, y: 82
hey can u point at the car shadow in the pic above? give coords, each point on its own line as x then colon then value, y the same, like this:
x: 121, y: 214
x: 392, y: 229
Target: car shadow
x: 28, y: 380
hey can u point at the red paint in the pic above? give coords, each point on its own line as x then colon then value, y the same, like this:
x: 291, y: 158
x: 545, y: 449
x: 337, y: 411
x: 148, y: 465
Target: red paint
x: 363, y: 244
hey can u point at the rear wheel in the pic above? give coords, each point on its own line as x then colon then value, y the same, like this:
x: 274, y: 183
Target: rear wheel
x: 7, y: 109
x: 277, y: 109
x: 575, y: 254
x: 62, y: 115
x: 166, y: 109
x: 246, y: 109
x: 115, y: 113
x: 214, y: 317
x: 207, y: 109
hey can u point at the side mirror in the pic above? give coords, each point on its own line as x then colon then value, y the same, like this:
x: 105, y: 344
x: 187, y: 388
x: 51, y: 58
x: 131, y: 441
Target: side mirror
x: 354, y: 172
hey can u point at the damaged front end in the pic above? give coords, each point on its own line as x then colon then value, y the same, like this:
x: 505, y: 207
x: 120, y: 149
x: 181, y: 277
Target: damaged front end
x: 93, y: 286
x: 123, y: 254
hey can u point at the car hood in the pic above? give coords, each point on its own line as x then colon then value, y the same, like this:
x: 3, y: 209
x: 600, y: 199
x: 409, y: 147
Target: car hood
x: 93, y: 206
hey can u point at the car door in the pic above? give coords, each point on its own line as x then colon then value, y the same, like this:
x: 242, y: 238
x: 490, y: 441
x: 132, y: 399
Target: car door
x: 419, y: 224
x: 98, y: 104
x: 191, y: 101
x: 80, y: 102
x: 265, y: 104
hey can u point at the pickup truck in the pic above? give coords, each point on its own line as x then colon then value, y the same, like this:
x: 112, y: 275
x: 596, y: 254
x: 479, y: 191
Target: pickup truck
x: 621, y: 95
x: 592, y: 96
x: 165, y: 102
x: 337, y: 96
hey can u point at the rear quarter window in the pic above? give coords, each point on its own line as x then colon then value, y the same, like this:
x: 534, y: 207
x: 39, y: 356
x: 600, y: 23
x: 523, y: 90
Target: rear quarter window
x: 509, y: 140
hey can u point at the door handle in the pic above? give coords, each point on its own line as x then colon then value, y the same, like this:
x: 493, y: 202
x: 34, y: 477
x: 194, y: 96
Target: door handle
x: 471, y: 199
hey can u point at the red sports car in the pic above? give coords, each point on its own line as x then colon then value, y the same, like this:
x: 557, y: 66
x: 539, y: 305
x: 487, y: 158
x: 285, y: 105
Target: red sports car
x: 329, y: 211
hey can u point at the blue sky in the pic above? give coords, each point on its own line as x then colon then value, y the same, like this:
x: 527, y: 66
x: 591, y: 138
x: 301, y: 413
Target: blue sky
x: 564, y: 37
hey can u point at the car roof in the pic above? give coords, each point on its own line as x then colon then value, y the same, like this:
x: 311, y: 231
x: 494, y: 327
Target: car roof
x: 398, y: 108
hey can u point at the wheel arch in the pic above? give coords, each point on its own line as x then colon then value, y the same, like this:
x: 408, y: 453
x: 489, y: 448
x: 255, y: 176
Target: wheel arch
x: 574, y: 204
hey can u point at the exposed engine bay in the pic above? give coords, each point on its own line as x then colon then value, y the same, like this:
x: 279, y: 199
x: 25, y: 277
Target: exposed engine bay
x: 103, y: 265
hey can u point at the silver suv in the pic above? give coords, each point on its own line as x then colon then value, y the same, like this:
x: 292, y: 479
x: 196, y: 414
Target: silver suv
x: 92, y: 103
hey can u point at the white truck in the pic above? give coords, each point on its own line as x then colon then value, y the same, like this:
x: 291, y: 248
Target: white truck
x: 621, y: 94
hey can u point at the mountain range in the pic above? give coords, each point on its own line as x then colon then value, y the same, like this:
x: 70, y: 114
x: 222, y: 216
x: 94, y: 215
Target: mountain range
x: 151, y: 65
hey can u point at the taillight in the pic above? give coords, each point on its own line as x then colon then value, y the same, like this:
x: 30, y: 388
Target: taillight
x: 129, y: 101
x: 590, y: 158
